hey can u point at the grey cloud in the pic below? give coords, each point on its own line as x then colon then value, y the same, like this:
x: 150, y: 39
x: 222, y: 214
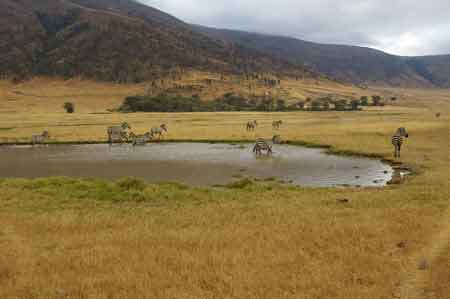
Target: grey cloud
x: 405, y: 27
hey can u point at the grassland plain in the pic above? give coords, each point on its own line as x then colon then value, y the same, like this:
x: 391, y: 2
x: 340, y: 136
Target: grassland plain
x: 85, y: 238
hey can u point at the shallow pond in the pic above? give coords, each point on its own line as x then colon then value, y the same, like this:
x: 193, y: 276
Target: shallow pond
x: 192, y: 163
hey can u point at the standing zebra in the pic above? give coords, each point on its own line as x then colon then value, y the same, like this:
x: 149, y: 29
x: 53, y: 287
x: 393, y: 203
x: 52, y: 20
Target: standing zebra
x: 276, y: 124
x: 118, y: 133
x: 262, y: 145
x: 251, y: 125
x: 40, y: 139
x: 397, y: 141
x: 158, y: 131
x: 140, y: 139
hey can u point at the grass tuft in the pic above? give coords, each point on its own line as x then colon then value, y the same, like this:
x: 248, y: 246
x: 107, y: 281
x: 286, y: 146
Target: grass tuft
x: 241, y: 184
x: 131, y: 184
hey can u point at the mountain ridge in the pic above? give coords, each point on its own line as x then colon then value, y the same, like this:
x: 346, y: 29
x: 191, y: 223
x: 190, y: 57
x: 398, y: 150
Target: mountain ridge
x: 114, y: 40
x: 359, y: 65
x: 127, y: 41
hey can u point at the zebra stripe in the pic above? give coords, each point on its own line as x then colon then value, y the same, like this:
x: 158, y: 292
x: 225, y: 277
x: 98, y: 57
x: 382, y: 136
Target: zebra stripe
x: 397, y: 141
x: 158, y: 131
x: 140, y: 139
x: 118, y: 133
x: 251, y: 125
x: 40, y: 139
x: 262, y: 145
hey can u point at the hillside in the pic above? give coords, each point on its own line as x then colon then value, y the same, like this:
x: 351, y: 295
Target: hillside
x: 112, y: 40
x: 349, y: 63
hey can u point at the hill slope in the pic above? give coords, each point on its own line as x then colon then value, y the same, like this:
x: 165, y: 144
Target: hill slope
x: 349, y: 63
x: 112, y: 40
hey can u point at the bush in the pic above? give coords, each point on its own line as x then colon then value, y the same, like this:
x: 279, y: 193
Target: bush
x: 131, y: 184
x: 69, y: 107
x: 364, y: 101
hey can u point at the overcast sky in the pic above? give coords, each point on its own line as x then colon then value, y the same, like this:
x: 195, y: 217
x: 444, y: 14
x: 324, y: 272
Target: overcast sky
x: 404, y: 27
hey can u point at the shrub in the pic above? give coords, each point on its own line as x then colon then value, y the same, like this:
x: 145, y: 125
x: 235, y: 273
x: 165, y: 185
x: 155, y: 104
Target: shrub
x: 364, y: 101
x: 69, y: 107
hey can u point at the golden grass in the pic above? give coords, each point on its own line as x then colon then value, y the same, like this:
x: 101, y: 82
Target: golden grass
x: 63, y: 238
x: 45, y: 95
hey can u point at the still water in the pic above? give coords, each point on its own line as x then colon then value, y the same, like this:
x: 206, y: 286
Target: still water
x: 197, y: 164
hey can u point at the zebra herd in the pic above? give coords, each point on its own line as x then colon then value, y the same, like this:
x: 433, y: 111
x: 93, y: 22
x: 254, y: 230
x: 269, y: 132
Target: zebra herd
x: 253, y: 124
x: 262, y: 145
x: 123, y: 134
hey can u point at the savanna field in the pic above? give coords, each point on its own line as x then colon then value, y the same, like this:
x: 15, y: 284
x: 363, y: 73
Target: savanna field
x: 88, y: 238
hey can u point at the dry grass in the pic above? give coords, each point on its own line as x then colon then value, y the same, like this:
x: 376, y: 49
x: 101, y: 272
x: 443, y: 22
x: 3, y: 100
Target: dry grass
x: 60, y: 238
x: 44, y: 95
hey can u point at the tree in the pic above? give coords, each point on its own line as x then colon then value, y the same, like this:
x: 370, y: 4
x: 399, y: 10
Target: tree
x: 341, y: 105
x: 355, y: 104
x: 69, y: 107
x: 316, y: 106
x: 281, y: 105
x: 364, y: 101
x: 376, y: 100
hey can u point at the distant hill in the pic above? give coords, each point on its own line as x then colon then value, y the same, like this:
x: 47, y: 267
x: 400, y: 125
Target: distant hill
x: 355, y: 64
x: 113, y: 40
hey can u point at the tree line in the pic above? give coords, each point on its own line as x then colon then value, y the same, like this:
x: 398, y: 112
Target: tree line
x: 234, y: 102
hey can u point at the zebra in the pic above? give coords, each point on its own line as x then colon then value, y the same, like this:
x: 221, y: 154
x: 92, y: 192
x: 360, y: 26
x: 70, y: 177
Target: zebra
x: 40, y: 139
x: 140, y: 139
x: 262, y: 145
x: 397, y: 141
x: 158, y: 131
x: 118, y: 133
x: 276, y: 139
x: 251, y: 125
x: 276, y: 124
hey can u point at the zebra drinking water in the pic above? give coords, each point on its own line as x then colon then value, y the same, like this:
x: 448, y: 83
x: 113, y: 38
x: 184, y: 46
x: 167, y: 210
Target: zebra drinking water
x: 118, y: 134
x: 158, y: 131
x: 262, y: 145
x: 397, y: 141
x: 40, y: 139
x: 251, y: 125
x: 277, y: 124
x: 140, y: 139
